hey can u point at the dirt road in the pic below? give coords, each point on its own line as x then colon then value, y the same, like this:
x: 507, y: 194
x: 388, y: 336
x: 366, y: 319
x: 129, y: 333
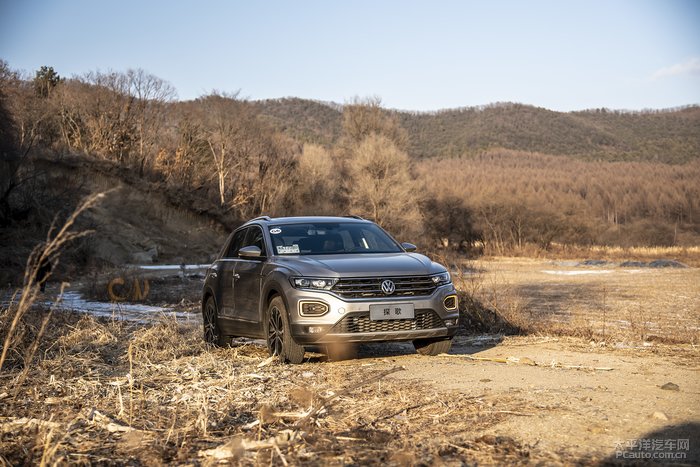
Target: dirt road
x: 557, y: 400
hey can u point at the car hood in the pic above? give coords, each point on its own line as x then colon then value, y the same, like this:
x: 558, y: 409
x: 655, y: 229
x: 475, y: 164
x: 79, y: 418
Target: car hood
x: 362, y: 265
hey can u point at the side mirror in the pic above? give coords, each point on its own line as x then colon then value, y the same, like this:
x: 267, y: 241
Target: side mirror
x: 250, y: 252
x: 409, y: 247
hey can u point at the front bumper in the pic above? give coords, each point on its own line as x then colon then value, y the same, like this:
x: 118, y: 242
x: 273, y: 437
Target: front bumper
x: 348, y: 320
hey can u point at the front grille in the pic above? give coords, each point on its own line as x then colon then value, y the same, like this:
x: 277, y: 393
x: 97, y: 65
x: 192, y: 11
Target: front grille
x: 406, y: 286
x: 425, y: 319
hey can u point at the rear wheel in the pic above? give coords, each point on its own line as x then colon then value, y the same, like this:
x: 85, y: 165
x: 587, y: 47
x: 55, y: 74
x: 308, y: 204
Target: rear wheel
x: 278, y: 333
x: 211, y: 324
x: 433, y: 346
x: 210, y: 315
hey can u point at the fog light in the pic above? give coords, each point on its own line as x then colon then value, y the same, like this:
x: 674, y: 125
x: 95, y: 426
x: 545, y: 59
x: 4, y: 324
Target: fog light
x: 450, y: 302
x: 451, y: 322
x: 312, y: 308
x: 315, y: 329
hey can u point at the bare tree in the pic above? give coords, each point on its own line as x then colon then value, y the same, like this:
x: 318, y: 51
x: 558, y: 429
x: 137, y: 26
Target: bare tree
x: 26, y: 121
x: 379, y: 185
x: 364, y: 117
x: 316, y: 181
x: 251, y: 162
x: 184, y: 159
x: 220, y: 113
x: 98, y: 115
x: 151, y: 94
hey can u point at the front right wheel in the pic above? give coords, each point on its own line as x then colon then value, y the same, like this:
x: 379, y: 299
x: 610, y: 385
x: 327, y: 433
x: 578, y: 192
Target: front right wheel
x: 433, y: 346
x: 278, y: 333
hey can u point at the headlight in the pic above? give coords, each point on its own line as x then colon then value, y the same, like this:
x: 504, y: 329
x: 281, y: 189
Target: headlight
x: 441, y: 279
x: 313, y: 283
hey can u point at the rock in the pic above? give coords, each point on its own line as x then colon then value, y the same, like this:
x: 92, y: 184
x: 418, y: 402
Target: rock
x: 594, y: 262
x: 666, y: 263
x: 660, y: 416
x: 307, y: 374
x: 141, y: 257
x: 671, y: 387
x: 527, y: 361
x: 633, y: 264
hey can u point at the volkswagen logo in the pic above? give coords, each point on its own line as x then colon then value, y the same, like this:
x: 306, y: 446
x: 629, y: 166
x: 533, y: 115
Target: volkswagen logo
x: 388, y: 287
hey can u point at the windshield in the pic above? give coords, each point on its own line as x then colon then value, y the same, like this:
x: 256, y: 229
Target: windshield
x: 331, y: 238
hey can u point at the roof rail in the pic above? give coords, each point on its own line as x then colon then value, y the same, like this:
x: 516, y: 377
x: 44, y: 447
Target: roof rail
x: 261, y: 218
x: 355, y: 217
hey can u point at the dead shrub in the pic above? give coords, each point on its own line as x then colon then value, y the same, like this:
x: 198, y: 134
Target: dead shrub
x: 164, y: 341
x: 491, y: 310
x: 87, y: 335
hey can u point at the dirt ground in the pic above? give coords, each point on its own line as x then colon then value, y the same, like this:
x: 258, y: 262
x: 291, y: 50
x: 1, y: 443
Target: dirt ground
x: 564, y: 395
x: 616, y: 389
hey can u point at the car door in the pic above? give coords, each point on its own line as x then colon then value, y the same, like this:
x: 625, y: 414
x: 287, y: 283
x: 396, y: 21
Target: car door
x: 248, y: 278
x: 228, y: 264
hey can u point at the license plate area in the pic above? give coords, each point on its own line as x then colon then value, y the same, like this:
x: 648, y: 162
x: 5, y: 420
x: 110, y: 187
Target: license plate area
x: 391, y: 311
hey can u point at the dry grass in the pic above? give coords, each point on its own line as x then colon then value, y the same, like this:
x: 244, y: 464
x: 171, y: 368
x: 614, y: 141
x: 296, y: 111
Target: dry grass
x: 690, y: 255
x: 109, y: 392
x: 46, y: 254
x: 618, y: 305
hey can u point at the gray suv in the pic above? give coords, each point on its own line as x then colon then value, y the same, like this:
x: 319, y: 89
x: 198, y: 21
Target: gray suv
x: 328, y: 282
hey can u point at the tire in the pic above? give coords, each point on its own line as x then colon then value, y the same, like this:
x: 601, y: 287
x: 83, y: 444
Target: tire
x: 433, y: 346
x: 278, y: 334
x: 212, y: 332
x: 341, y: 351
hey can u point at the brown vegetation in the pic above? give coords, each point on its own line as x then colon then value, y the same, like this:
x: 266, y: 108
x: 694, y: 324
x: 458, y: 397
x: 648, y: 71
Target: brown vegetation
x: 107, y: 392
x: 519, y: 199
x: 499, y: 191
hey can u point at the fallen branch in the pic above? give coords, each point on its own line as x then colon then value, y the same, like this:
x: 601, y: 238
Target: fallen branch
x: 238, y: 446
x: 109, y: 423
x: 13, y: 424
x: 511, y: 412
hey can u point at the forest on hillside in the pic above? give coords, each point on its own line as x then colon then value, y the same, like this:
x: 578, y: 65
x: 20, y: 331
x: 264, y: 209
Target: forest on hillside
x: 671, y: 136
x: 503, y: 179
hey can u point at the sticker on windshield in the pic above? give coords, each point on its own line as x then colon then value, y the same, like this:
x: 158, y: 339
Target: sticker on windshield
x: 285, y: 250
x: 275, y: 231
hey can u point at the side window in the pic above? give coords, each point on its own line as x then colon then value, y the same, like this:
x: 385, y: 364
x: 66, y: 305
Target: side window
x: 236, y: 243
x: 255, y: 238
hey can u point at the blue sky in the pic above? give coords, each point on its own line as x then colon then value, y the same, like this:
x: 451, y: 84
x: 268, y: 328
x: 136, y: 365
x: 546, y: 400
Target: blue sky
x: 427, y: 55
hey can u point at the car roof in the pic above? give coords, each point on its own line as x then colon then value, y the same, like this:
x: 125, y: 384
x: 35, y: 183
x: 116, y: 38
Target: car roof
x: 306, y: 219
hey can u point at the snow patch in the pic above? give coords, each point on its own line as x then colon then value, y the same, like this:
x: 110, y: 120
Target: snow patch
x: 170, y: 267
x: 74, y: 301
x: 577, y: 273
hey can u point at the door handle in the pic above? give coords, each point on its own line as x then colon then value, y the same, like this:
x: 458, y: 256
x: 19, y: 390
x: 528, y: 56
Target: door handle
x: 236, y: 277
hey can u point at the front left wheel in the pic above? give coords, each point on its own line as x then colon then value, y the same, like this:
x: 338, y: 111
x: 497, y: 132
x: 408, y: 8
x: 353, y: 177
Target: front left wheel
x: 280, y: 342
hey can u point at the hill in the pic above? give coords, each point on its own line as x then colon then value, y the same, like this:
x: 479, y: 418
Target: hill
x: 139, y: 222
x: 304, y: 120
x: 669, y: 136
